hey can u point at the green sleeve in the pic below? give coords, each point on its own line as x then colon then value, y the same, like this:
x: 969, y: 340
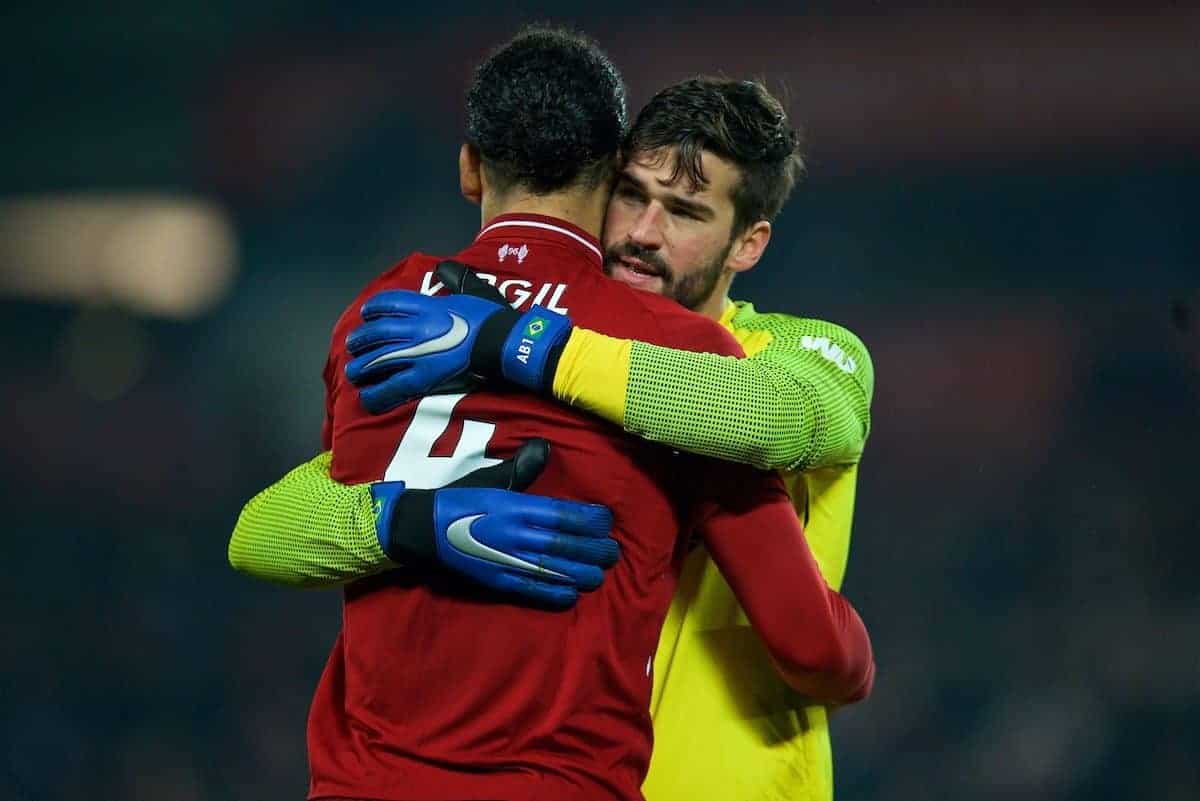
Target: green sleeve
x: 800, y: 400
x: 307, y: 530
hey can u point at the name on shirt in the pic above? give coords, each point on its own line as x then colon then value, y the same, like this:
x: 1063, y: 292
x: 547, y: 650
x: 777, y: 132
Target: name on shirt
x: 518, y: 292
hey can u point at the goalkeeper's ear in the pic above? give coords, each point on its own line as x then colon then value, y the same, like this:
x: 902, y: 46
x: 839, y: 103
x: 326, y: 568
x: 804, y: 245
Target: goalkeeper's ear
x: 748, y: 247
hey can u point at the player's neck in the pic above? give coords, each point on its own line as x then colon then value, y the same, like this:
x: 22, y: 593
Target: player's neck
x: 584, y: 209
x: 718, y: 301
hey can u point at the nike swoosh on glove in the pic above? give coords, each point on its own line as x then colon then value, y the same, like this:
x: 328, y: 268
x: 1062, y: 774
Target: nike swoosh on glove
x: 411, y: 344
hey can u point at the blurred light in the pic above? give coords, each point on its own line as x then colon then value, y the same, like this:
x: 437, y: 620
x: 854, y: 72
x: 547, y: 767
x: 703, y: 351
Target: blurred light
x: 158, y: 254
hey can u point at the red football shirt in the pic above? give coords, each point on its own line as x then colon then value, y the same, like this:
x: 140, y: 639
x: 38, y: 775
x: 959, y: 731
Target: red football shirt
x: 437, y: 691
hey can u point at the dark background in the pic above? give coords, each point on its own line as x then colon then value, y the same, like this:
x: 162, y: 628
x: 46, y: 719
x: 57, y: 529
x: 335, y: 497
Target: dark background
x: 1002, y: 202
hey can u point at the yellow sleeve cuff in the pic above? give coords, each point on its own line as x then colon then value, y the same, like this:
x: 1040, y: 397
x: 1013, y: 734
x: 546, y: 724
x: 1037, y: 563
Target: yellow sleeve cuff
x: 593, y: 374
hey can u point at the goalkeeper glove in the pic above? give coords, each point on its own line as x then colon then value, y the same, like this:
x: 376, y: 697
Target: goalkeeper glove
x: 485, y: 527
x: 411, y: 344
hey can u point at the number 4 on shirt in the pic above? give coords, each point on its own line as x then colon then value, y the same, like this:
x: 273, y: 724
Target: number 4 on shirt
x: 412, y: 463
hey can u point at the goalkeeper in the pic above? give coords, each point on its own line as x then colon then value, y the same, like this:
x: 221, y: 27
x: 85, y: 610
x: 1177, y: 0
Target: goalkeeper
x: 710, y: 162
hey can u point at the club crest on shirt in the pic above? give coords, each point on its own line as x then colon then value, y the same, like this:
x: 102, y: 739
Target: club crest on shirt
x: 507, y: 250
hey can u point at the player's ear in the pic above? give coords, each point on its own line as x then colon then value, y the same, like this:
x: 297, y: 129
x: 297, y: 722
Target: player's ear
x: 470, y: 174
x: 748, y: 247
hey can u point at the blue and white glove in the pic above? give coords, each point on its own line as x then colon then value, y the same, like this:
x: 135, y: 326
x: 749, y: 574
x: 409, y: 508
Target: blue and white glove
x: 485, y: 527
x: 411, y: 344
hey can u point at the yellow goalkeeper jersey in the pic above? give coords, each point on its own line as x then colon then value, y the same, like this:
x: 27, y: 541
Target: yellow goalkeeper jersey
x: 725, y: 725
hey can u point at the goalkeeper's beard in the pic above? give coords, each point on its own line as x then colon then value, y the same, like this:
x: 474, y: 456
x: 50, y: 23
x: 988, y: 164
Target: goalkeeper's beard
x: 689, y: 291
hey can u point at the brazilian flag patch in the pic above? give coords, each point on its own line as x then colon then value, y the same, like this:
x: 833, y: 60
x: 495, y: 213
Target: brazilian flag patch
x: 535, y: 328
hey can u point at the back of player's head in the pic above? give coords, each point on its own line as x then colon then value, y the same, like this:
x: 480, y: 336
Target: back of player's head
x: 546, y: 111
x: 740, y: 121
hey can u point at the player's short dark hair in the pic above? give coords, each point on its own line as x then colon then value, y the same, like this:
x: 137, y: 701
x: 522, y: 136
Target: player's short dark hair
x: 546, y: 110
x: 740, y: 121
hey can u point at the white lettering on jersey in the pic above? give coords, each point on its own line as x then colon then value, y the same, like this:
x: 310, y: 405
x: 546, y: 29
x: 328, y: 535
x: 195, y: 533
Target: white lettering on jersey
x: 830, y: 351
x: 516, y: 291
x: 556, y: 299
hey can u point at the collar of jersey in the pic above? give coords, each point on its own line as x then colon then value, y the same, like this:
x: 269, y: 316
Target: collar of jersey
x: 731, y: 310
x: 544, y: 229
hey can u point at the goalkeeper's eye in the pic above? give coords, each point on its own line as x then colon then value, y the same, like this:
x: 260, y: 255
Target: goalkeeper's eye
x: 627, y: 191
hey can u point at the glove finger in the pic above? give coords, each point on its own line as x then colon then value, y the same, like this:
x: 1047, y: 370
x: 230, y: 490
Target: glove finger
x: 558, y: 596
x: 395, y: 302
x: 462, y: 280
x: 431, y: 332
x: 375, y: 365
x: 528, y: 461
x: 583, y: 519
x: 586, y: 577
x: 599, y: 551
x: 382, y: 331
x: 387, y: 394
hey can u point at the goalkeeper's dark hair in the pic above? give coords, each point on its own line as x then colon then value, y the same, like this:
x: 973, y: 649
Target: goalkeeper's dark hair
x: 740, y: 121
x: 546, y: 111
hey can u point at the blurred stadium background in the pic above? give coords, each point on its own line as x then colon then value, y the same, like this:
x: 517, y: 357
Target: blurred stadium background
x: 1002, y: 201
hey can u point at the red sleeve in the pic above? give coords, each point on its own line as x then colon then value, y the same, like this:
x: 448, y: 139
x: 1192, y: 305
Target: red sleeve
x: 335, y: 362
x: 817, y: 640
x: 327, y: 424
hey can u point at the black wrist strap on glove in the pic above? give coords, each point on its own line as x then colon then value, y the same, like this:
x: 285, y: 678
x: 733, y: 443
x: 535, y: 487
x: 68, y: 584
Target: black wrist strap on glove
x: 498, y: 336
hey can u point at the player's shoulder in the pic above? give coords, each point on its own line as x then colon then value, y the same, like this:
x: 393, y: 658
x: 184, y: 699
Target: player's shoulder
x: 662, y: 321
x: 793, y: 331
x: 404, y: 274
x: 789, y: 336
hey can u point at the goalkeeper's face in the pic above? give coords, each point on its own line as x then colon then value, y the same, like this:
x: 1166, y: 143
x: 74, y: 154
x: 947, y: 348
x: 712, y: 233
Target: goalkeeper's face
x: 664, y: 234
